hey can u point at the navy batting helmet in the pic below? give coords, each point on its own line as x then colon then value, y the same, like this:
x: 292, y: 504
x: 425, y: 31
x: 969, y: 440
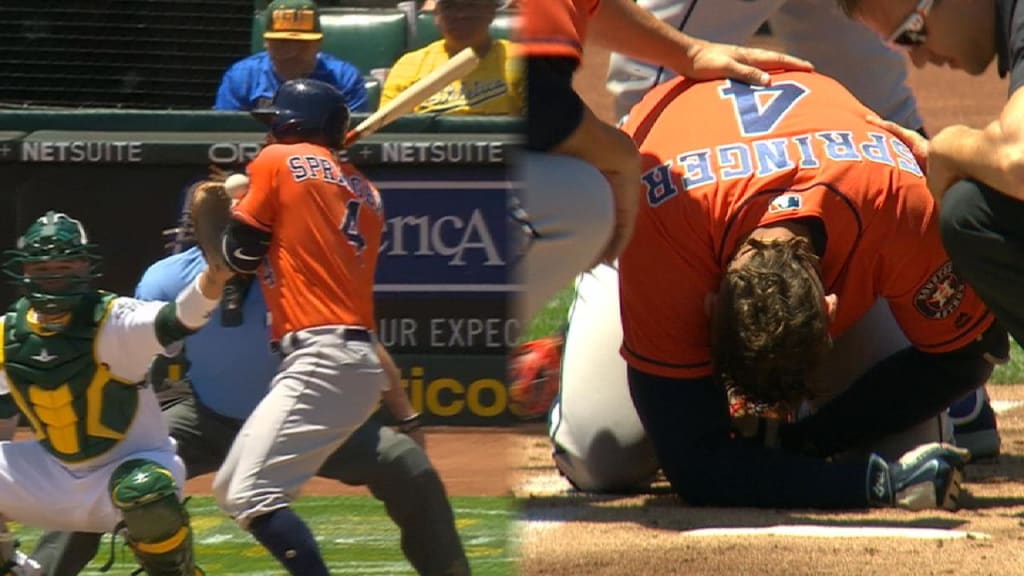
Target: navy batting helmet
x: 306, y: 110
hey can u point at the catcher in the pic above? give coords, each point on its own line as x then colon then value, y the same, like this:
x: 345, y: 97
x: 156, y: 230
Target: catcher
x: 781, y: 223
x: 71, y: 362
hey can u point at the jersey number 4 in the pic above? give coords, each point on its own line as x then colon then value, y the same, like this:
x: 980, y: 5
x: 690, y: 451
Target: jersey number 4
x: 759, y: 109
x: 350, y: 226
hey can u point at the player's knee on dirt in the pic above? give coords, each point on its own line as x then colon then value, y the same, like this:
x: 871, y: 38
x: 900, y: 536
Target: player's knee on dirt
x: 155, y: 520
x: 607, y: 466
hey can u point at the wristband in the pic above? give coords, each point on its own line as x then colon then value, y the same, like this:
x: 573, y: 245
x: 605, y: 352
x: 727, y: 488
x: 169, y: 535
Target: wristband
x: 192, y: 307
x: 410, y: 423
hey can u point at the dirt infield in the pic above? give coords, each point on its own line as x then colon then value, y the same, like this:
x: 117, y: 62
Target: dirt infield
x: 563, y: 532
x: 472, y: 462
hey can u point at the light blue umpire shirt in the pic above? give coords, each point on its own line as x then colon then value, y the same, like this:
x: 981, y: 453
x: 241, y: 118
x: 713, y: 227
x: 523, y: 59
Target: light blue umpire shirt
x: 231, y: 366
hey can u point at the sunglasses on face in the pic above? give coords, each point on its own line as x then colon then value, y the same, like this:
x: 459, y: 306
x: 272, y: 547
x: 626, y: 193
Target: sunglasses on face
x: 912, y: 31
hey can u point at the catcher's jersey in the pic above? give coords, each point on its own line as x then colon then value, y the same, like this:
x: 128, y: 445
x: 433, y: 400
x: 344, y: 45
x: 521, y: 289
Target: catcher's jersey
x: 326, y: 220
x: 722, y: 158
x: 79, y: 388
x: 555, y: 27
x: 496, y: 86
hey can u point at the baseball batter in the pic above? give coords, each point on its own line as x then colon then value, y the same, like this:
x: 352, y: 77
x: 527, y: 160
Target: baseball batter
x: 580, y: 179
x: 310, y: 227
x: 71, y: 361
x: 792, y: 165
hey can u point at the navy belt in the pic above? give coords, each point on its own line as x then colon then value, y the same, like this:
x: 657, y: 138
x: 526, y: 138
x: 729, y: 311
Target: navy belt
x: 357, y: 335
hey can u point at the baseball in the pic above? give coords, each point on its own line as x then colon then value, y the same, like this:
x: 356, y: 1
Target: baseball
x: 236, y: 185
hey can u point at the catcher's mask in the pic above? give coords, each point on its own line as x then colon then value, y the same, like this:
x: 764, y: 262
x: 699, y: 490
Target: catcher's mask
x: 306, y: 110
x: 53, y: 264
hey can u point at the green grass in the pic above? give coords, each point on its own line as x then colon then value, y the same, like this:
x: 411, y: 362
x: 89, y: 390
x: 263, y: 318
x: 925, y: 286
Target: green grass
x: 554, y: 315
x: 1012, y: 373
x: 354, y: 532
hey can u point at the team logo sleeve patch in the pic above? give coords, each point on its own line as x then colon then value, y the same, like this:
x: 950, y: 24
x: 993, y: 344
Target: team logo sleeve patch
x: 941, y: 295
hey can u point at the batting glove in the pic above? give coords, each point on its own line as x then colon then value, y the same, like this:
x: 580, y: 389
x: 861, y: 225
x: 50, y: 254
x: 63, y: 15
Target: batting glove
x: 927, y: 477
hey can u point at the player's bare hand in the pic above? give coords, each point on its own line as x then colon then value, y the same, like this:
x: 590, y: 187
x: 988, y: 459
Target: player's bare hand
x: 710, y: 60
x: 943, y: 172
x: 917, y: 143
x: 217, y: 174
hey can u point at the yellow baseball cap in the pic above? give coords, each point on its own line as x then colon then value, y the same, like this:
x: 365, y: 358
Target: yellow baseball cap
x: 293, y: 20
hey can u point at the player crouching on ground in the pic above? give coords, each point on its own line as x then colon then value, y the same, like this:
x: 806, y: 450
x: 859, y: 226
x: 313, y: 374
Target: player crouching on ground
x: 72, y: 360
x: 779, y: 223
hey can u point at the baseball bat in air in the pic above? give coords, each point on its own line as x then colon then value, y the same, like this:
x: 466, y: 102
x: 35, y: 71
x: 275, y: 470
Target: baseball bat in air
x: 459, y: 66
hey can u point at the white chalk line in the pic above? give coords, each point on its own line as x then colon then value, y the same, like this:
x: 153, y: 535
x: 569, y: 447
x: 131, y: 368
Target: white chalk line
x: 1001, y: 406
x: 814, y: 531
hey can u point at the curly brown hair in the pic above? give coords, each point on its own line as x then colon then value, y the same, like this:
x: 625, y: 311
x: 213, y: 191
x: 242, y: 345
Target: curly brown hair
x: 770, y: 323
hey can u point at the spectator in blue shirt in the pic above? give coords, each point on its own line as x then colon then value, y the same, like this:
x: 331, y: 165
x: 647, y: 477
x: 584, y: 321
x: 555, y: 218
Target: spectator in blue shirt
x: 292, y: 40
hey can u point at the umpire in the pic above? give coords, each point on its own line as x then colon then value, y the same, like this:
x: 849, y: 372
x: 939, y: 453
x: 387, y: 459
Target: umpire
x: 229, y: 367
x: 976, y: 175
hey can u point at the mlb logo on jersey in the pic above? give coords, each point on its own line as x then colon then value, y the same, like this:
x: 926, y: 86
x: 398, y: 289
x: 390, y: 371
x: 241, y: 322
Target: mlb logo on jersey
x: 785, y: 202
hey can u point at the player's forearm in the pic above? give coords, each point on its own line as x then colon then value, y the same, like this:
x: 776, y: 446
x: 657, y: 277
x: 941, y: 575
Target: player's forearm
x: 914, y: 387
x: 991, y: 156
x: 602, y: 145
x: 190, y: 310
x: 625, y: 27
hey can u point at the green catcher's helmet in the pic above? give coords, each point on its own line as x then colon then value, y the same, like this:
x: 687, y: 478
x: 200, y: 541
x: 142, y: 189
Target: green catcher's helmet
x: 53, y: 237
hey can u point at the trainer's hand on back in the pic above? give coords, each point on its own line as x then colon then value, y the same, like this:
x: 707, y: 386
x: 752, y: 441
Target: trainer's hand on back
x: 710, y: 60
x: 918, y: 144
x: 927, y: 477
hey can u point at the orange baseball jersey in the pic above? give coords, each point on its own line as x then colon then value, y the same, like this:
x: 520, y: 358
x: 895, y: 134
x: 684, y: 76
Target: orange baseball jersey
x: 555, y: 27
x: 722, y: 158
x: 326, y: 220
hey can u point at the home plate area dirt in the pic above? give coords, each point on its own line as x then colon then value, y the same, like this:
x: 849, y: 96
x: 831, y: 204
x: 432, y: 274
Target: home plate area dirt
x: 564, y: 532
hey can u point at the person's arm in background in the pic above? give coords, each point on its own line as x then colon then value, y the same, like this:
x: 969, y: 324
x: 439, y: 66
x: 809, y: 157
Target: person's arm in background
x: 352, y: 86
x: 400, y: 77
x: 228, y: 96
x: 624, y: 27
x: 397, y: 401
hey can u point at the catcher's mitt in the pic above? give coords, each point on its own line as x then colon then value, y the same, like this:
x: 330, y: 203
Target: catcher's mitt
x: 183, y: 236
x: 209, y: 213
x: 534, y: 373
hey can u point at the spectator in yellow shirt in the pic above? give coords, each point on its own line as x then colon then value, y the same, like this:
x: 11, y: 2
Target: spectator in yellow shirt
x: 496, y: 86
